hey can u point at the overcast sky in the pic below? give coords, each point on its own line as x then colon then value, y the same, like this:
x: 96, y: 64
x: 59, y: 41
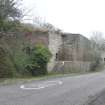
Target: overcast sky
x: 74, y: 16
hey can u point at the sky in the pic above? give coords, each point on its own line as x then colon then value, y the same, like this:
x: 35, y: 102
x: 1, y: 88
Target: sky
x: 74, y: 16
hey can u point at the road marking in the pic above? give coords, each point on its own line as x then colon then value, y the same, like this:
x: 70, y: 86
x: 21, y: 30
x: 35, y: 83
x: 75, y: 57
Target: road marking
x: 41, y: 85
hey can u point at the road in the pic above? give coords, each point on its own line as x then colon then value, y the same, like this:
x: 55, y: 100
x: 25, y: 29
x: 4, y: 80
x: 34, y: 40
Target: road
x: 75, y: 90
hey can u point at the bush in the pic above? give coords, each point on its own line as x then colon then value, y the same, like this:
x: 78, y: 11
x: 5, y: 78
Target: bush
x: 5, y: 64
x: 39, y: 58
x: 96, y: 63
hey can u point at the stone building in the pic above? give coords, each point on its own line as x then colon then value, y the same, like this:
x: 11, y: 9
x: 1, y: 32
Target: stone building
x: 70, y: 52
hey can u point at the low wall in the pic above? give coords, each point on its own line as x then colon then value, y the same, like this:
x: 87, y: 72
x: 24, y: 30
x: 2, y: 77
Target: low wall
x: 71, y: 66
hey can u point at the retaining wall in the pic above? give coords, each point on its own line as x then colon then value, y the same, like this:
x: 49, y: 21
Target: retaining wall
x: 72, y: 66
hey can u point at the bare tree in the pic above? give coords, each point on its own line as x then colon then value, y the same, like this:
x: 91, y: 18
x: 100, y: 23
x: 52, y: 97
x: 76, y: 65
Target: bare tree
x: 98, y: 47
x: 98, y: 41
x: 9, y: 10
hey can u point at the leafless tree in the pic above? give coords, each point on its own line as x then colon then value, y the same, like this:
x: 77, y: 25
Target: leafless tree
x: 98, y: 41
x: 98, y: 47
x: 9, y: 10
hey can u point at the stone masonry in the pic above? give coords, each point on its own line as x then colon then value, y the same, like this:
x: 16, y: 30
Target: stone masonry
x: 70, y: 52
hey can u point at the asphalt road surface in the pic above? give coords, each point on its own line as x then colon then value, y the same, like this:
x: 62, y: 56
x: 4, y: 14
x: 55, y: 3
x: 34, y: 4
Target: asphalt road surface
x: 75, y: 90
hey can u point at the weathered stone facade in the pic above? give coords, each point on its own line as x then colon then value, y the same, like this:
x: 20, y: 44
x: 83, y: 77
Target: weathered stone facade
x: 69, y: 51
x: 38, y: 37
x: 55, y: 42
x: 73, y: 53
x: 75, y: 47
x: 71, y: 66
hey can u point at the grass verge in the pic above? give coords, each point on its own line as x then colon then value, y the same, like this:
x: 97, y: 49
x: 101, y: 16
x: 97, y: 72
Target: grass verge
x: 10, y: 81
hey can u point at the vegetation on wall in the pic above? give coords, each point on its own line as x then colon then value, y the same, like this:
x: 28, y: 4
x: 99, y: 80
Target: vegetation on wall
x: 21, y: 58
x: 18, y: 57
x: 39, y: 57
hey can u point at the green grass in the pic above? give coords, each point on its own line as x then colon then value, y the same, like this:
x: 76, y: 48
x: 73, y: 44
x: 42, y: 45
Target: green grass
x: 10, y: 81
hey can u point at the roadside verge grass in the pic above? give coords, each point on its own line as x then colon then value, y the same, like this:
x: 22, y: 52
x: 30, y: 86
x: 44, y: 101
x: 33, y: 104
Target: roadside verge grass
x: 10, y: 81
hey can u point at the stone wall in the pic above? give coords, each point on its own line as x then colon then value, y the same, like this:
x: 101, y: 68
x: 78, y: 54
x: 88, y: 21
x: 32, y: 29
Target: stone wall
x: 72, y: 66
x: 55, y: 41
x: 39, y: 37
x: 74, y: 52
x: 73, y: 49
x: 84, y: 49
x: 69, y: 48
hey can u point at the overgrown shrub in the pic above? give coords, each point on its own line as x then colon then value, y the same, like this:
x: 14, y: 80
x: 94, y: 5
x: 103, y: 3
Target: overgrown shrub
x: 5, y: 65
x: 39, y: 58
x: 96, y: 63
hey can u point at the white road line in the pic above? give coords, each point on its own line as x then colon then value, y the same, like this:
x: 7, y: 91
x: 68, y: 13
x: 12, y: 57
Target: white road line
x: 34, y: 88
x: 42, y: 86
